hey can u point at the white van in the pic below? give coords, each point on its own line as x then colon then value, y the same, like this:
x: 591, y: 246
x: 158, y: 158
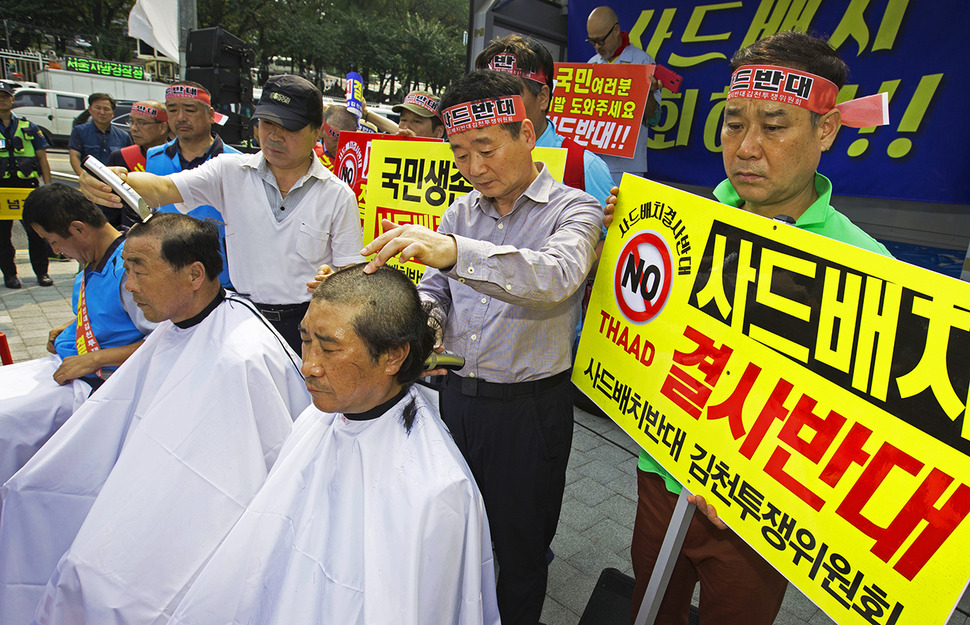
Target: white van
x: 54, y: 111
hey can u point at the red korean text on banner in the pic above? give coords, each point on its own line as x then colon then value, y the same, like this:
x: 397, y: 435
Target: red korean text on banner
x: 601, y: 106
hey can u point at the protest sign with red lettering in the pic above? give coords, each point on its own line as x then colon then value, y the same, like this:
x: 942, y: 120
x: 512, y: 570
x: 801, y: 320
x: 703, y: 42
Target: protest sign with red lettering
x: 601, y: 106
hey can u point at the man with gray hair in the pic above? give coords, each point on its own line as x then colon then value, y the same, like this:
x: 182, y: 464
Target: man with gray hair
x: 116, y: 514
x: 371, y: 514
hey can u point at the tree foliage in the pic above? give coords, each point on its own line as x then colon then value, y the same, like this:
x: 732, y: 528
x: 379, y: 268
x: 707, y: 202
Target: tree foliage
x: 396, y: 44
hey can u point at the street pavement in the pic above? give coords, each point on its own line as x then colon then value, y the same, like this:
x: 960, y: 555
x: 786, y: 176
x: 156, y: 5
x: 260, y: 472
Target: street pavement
x: 599, y: 503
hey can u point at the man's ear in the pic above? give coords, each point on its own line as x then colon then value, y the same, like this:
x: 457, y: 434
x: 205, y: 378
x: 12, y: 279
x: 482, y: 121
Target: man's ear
x: 395, y: 358
x: 196, y: 273
x: 544, y: 98
x: 828, y: 128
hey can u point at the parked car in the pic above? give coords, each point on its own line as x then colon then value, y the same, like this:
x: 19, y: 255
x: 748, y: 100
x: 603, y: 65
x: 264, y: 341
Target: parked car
x: 52, y: 111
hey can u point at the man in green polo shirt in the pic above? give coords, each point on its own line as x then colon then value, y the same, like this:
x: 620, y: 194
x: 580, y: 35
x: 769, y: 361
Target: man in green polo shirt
x: 771, y: 152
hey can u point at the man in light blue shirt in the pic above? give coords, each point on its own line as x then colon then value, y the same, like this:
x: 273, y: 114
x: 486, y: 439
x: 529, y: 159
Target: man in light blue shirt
x: 532, y: 63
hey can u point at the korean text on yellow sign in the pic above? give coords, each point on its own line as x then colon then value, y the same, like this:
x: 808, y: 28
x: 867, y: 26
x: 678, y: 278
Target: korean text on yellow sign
x: 816, y: 393
x: 12, y: 202
x: 414, y: 182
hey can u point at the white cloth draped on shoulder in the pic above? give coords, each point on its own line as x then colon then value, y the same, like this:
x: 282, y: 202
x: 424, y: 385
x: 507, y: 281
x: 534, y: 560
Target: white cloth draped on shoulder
x: 122, y: 507
x: 32, y: 407
x: 359, y: 522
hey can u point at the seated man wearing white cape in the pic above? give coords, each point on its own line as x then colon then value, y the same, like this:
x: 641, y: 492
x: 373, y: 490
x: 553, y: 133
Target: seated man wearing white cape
x: 37, y: 396
x: 110, y: 521
x: 370, y: 515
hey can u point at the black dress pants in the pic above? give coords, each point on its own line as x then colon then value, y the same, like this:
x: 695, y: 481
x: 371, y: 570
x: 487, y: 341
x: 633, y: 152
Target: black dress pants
x: 517, y: 448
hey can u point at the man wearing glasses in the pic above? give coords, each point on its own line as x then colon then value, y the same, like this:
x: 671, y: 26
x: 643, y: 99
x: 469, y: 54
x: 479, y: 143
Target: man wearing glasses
x: 148, y: 125
x: 612, y: 45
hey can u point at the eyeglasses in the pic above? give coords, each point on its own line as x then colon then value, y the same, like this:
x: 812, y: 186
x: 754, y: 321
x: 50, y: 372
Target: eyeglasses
x: 598, y: 41
x: 141, y: 123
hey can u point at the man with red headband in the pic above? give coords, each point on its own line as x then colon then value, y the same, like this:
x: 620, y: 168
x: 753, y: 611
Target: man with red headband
x: 779, y: 118
x: 336, y: 118
x: 148, y: 125
x: 419, y: 116
x: 504, y: 271
x: 188, y: 106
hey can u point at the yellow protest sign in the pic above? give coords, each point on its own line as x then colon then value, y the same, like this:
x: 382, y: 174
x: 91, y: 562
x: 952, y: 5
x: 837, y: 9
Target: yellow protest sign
x: 814, y: 392
x: 12, y: 202
x: 414, y: 182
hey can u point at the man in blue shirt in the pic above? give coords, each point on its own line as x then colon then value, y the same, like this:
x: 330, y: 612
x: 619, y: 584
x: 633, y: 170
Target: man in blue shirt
x: 190, y: 116
x: 97, y: 137
x: 532, y: 63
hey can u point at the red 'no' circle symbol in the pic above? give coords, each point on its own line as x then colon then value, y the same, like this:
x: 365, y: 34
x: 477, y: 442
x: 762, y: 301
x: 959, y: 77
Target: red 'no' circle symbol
x: 643, y: 276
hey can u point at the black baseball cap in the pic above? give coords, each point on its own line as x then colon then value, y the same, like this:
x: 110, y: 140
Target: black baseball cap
x: 6, y: 87
x: 290, y: 101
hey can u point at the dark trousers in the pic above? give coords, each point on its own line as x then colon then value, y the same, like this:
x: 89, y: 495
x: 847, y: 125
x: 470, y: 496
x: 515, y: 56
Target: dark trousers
x: 36, y: 247
x: 738, y: 587
x: 517, y: 449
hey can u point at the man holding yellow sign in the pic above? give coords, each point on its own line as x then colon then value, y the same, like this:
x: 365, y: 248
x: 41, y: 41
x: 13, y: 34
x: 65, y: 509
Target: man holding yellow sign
x: 780, y: 116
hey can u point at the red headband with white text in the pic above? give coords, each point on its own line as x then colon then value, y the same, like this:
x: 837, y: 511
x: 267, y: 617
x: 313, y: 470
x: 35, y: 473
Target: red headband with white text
x: 427, y: 103
x: 509, y: 63
x: 187, y: 92
x: 808, y: 91
x: 140, y: 108
x: 481, y: 113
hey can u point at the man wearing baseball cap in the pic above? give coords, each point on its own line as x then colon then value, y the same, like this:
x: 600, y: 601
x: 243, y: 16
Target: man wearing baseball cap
x: 191, y: 116
x: 285, y: 214
x: 419, y: 116
x: 148, y: 125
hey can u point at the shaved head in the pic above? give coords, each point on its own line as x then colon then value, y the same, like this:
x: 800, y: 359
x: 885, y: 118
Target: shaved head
x: 601, y: 19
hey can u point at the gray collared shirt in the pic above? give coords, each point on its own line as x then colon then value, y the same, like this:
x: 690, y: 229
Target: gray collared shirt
x: 511, y: 302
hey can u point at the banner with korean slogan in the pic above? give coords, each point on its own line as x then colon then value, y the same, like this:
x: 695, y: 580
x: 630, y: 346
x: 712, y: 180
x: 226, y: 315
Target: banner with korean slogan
x: 814, y: 392
x: 12, y: 202
x: 601, y: 106
x: 413, y: 183
x: 353, y: 157
x: 913, y: 51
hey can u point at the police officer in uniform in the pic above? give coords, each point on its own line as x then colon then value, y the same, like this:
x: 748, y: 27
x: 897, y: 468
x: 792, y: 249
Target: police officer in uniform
x: 23, y: 162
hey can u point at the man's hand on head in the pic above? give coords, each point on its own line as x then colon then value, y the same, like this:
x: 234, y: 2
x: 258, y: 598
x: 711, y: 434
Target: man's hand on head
x: 322, y: 274
x: 610, y: 207
x: 411, y: 242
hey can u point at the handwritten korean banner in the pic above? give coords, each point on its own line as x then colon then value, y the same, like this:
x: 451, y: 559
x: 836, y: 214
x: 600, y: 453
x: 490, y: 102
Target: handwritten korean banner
x: 413, y: 183
x: 816, y: 393
x: 12, y: 202
x: 601, y: 106
x: 914, y: 51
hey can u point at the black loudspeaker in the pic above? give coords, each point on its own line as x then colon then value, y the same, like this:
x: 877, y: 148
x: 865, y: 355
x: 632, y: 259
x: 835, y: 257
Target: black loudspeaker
x: 612, y: 600
x: 236, y: 131
x: 225, y: 85
x: 216, y: 47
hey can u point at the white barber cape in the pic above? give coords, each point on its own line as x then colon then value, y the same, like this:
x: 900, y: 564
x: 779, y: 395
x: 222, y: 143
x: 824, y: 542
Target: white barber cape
x: 32, y: 407
x: 359, y: 522
x: 109, y: 522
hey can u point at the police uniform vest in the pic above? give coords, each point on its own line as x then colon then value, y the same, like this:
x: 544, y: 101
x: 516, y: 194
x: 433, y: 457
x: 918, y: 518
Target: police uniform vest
x: 19, y: 159
x: 102, y: 291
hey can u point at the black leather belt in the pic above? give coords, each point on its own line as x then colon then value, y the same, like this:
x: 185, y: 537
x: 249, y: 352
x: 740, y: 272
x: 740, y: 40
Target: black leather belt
x: 278, y: 312
x: 474, y: 387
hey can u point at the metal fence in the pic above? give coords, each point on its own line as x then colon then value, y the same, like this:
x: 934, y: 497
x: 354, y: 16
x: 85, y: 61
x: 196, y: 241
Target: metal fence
x: 20, y: 66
